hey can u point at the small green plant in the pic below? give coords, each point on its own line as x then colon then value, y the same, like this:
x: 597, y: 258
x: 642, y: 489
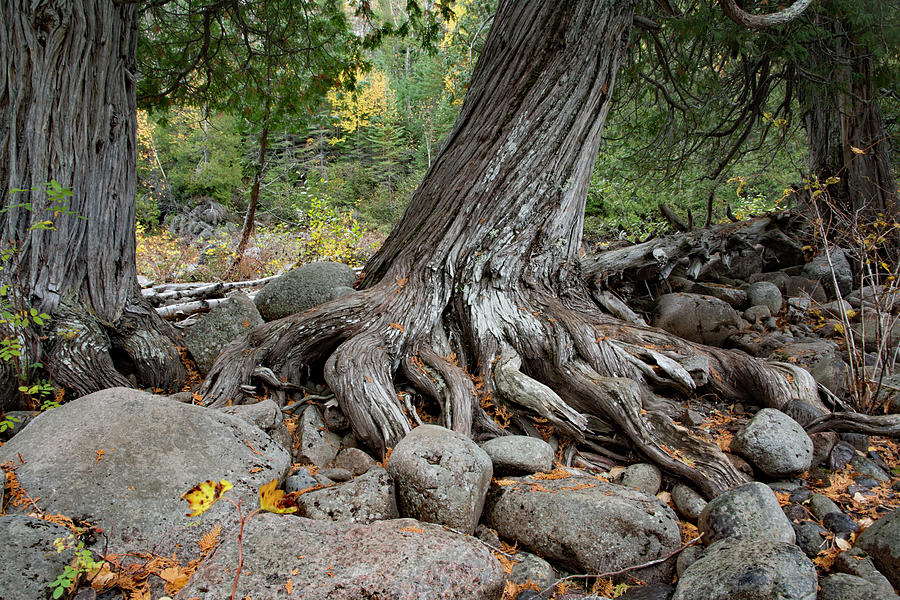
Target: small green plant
x: 18, y: 319
x: 82, y: 563
x: 7, y: 422
x: 333, y: 235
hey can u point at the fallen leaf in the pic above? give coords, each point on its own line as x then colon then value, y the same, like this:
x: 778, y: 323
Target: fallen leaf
x: 176, y: 577
x: 412, y: 529
x: 275, y: 500
x: 210, y: 539
x: 289, y: 586
x: 204, y: 495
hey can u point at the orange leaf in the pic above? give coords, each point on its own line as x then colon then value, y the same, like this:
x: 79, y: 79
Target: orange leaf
x: 204, y: 495
x: 289, y: 586
x: 275, y: 500
x: 176, y: 577
x: 208, y: 541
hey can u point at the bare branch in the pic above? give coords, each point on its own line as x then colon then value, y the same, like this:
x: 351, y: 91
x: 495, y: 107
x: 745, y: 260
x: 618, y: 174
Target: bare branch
x: 742, y: 17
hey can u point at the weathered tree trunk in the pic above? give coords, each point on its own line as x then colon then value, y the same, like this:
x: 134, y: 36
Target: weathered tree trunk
x: 478, y: 291
x: 67, y: 113
x: 843, y: 114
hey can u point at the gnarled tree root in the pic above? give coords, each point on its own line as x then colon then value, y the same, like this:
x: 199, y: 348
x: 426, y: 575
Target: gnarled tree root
x: 559, y: 361
x: 80, y: 351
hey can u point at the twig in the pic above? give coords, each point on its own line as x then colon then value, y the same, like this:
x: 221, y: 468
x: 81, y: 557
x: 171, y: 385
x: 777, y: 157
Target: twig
x: 477, y: 539
x: 621, y: 571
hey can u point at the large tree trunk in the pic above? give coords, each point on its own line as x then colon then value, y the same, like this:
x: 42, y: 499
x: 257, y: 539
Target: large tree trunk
x: 477, y: 296
x: 67, y: 113
x: 847, y: 139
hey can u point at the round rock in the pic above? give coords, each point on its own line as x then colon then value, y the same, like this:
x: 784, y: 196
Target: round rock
x: 775, y: 444
x: 644, y: 477
x: 442, y: 477
x: 741, y: 569
x: 765, y: 293
x: 688, y: 502
x: 748, y: 511
x: 519, y: 454
x: 586, y: 524
x: 29, y: 560
x: 303, y: 288
x: 841, y: 586
x: 881, y: 541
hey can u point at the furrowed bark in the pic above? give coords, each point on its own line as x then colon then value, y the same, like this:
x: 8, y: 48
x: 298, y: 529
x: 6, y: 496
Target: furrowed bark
x: 68, y: 114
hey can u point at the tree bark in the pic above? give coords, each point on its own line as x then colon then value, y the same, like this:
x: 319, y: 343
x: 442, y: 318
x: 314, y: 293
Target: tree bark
x: 477, y: 296
x: 67, y: 113
x: 843, y: 114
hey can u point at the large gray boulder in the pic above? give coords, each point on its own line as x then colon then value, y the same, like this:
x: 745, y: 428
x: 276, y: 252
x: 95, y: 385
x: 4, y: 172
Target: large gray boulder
x: 775, y: 444
x: 823, y: 361
x: 122, y: 458
x: 695, y: 317
x: 881, y: 541
x: 28, y: 559
x: 519, y: 454
x: 765, y: 293
x: 366, y: 499
x: 586, y: 524
x: 223, y: 323
x: 826, y: 272
x: 441, y: 476
x: 303, y: 288
x: 840, y: 586
x: 401, y: 559
x: 748, y: 511
x: 749, y: 569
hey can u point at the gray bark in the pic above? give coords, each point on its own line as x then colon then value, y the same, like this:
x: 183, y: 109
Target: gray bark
x: 844, y: 113
x: 67, y: 113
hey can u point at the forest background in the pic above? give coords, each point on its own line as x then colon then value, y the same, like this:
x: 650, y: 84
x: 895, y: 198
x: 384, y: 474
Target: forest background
x: 339, y: 166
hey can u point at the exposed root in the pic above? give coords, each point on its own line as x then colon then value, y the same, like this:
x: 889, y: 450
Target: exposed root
x: 561, y: 361
x: 887, y: 425
x: 360, y: 375
x: 445, y: 382
x: 525, y: 391
x: 79, y: 357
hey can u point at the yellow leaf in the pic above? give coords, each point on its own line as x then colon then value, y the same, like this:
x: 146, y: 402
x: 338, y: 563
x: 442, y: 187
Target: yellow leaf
x: 856, y: 150
x: 205, y: 494
x: 275, y: 500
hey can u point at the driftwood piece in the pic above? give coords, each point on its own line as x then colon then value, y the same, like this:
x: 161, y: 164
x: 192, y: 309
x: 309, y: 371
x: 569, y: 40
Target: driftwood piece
x: 185, y: 309
x: 672, y: 218
x: 657, y: 258
x: 887, y: 425
x: 197, y: 291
